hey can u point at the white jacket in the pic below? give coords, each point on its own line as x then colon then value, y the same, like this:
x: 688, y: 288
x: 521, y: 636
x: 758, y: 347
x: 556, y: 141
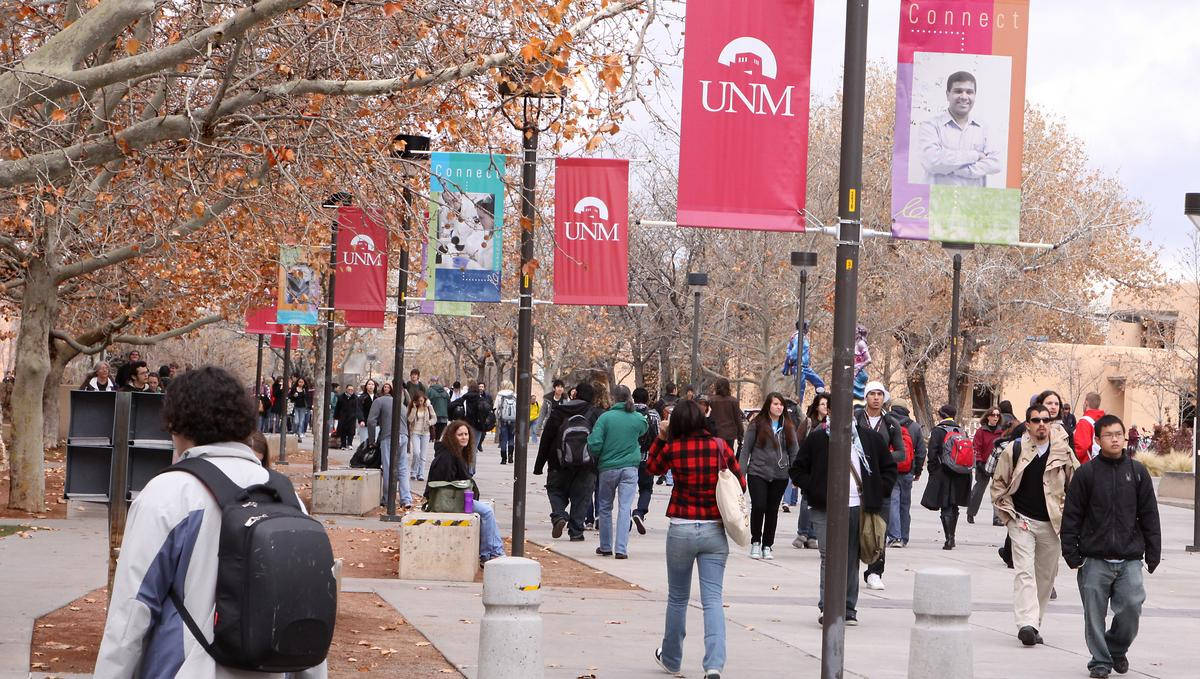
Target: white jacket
x: 172, y: 537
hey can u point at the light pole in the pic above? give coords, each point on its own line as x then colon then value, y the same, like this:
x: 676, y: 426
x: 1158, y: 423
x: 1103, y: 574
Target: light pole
x: 958, y: 250
x: 845, y: 310
x: 696, y: 281
x: 532, y: 103
x: 285, y: 393
x: 1191, y: 208
x: 805, y: 261
x: 333, y: 202
x: 413, y: 153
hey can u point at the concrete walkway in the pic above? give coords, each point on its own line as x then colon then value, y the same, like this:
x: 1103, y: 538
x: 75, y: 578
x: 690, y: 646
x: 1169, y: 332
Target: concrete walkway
x: 44, y: 573
x: 771, y: 606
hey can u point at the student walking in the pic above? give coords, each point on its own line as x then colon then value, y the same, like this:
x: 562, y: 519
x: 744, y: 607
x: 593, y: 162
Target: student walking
x: 816, y: 417
x: 768, y: 451
x: 872, y: 475
x: 726, y: 414
x: 990, y: 429
x: 421, y: 420
x: 1109, y: 526
x: 506, y: 414
x: 641, y: 403
x: 615, y: 441
x: 1029, y: 488
x: 901, y: 518
x: 947, y: 489
x: 696, y: 536
x: 571, y: 482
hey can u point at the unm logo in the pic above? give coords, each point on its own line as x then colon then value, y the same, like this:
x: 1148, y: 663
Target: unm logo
x: 362, y: 256
x: 751, y: 61
x: 592, y: 222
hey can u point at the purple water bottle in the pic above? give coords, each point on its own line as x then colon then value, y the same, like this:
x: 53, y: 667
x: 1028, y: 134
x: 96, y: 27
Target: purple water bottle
x: 469, y: 502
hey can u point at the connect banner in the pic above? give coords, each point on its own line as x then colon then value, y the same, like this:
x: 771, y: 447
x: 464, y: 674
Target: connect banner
x: 960, y: 103
x: 299, y: 285
x: 743, y: 145
x: 362, y: 262
x: 591, y: 231
x: 466, y: 215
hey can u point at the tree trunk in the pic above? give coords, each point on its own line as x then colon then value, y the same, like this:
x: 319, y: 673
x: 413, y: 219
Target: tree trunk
x: 51, y: 436
x: 918, y: 390
x: 27, y: 483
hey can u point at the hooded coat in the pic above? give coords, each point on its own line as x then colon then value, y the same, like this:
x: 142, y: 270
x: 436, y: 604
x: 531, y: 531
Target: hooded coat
x: 548, y: 444
x: 946, y: 487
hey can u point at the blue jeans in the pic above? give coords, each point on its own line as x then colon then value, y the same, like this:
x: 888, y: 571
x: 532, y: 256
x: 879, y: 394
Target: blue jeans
x: 403, y: 487
x: 820, y: 522
x: 804, y: 524
x: 508, y: 436
x: 704, y: 544
x: 420, y: 443
x: 810, y: 376
x: 300, y: 420
x: 490, y: 544
x: 623, y: 484
x: 792, y: 495
x: 901, y: 510
x: 1121, y: 583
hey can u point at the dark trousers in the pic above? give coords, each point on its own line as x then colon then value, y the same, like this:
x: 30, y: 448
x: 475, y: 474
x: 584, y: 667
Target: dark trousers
x: 347, y: 436
x: 572, y: 486
x: 645, y: 491
x: 438, y: 428
x: 765, y: 497
x: 508, y: 434
x: 982, y: 479
x: 880, y: 564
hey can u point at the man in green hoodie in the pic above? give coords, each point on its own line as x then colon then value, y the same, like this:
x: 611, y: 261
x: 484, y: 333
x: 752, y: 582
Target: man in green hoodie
x: 615, y: 443
x: 439, y: 398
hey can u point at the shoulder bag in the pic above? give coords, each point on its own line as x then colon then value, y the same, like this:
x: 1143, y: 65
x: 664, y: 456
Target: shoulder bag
x: 872, y: 529
x: 731, y: 501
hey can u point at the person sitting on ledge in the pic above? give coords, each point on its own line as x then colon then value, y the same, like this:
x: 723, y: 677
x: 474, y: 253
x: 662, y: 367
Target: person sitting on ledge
x: 452, y: 459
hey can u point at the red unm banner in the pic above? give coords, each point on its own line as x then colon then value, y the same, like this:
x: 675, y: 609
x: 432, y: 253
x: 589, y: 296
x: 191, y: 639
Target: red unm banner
x: 744, y: 134
x: 362, y: 262
x: 279, y: 339
x: 261, y: 321
x: 364, y: 319
x: 591, y: 231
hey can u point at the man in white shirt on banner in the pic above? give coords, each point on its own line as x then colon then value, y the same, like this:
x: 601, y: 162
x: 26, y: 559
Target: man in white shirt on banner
x: 954, y: 147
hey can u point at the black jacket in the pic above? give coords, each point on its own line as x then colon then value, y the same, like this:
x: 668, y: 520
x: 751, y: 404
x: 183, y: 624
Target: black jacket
x: 917, y: 436
x: 476, y: 407
x: 946, y: 488
x: 548, y: 444
x: 447, y: 466
x: 1111, y: 513
x: 810, y: 471
x: 888, y: 428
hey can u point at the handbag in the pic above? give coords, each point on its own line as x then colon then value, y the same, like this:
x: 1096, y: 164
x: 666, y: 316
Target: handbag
x: 731, y: 501
x: 872, y: 529
x: 448, y: 497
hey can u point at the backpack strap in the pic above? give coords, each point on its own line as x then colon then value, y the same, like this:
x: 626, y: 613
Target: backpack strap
x: 224, y: 490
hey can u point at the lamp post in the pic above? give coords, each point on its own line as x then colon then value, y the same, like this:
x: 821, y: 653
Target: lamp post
x: 413, y: 152
x: 696, y: 281
x: 532, y: 103
x: 285, y: 394
x: 333, y: 202
x: 957, y: 250
x: 1191, y: 208
x: 805, y: 261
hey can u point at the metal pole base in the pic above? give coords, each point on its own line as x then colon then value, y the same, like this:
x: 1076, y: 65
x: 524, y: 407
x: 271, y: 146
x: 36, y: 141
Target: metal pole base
x: 391, y: 518
x: 1192, y: 548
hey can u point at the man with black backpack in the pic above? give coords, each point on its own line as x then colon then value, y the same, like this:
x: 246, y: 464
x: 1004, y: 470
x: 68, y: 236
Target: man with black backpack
x: 217, y: 547
x: 476, y: 409
x: 641, y: 400
x: 506, y: 410
x: 563, y: 447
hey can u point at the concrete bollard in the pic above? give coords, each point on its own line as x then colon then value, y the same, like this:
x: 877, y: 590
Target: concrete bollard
x: 510, y: 638
x: 940, y: 643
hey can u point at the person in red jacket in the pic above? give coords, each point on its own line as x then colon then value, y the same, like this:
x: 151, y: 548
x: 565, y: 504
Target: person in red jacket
x: 1085, y: 440
x: 990, y: 429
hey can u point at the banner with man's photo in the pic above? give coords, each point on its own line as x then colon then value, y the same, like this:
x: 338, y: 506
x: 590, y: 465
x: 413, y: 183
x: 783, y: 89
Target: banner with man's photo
x: 466, y: 215
x: 299, y: 285
x: 960, y: 102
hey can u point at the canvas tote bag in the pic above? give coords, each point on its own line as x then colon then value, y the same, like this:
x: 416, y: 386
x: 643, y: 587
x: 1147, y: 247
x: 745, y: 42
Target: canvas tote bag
x: 735, y: 511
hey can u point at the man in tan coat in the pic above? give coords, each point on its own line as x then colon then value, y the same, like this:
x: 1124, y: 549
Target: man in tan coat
x: 1029, y: 489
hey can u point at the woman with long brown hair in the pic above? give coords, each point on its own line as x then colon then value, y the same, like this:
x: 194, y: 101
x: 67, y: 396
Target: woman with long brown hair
x: 768, y: 450
x: 453, y: 457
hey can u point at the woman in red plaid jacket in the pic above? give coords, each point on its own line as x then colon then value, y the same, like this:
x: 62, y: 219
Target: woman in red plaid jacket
x: 696, y: 535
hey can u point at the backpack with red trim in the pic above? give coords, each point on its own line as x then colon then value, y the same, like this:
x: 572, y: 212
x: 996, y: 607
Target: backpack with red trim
x: 958, y: 451
x: 905, y: 465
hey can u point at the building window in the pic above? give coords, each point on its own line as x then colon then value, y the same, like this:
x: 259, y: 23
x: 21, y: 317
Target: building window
x: 983, y: 396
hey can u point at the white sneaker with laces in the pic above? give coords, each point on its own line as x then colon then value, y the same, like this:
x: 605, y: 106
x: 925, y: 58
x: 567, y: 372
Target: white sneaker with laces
x: 874, y: 582
x: 766, y: 553
x: 755, y: 550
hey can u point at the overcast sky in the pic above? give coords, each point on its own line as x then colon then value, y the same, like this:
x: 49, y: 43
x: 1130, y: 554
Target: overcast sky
x: 1122, y: 76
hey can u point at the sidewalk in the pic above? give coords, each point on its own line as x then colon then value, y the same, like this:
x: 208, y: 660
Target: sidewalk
x: 44, y: 573
x: 771, y: 606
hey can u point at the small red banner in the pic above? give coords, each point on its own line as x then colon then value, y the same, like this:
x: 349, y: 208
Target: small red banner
x: 364, y: 319
x: 591, y: 231
x: 261, y: 321
x: 744, y: 133
x: 362, y: 262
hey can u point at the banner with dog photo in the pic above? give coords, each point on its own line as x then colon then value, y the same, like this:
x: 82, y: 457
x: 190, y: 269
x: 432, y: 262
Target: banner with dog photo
x: 466, y: 217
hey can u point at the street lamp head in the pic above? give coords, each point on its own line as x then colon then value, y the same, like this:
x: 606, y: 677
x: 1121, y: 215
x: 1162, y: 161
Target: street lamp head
x: 338, y: 199
x: 697, y: 279
x: 1191, y: 208
x: 412, y: 148
x: 958, y: 248
x: 804, y: 260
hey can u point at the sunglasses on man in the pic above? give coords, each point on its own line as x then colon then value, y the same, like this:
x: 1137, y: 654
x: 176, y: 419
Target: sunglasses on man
x: 1039, y: 420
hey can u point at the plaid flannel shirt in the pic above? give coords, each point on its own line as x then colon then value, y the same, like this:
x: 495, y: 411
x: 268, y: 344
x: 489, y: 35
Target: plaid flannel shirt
x: 695, y: 463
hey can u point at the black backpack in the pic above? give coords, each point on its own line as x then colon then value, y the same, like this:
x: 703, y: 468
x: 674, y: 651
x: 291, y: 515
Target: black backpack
x: 572, y: 442
x: 652, y: 422
x: 276, y: 594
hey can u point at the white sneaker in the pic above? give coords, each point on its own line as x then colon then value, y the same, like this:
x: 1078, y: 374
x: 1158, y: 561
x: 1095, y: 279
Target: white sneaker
x: 755, y: 550
x: 874, y: 581
x: 766, y: 553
